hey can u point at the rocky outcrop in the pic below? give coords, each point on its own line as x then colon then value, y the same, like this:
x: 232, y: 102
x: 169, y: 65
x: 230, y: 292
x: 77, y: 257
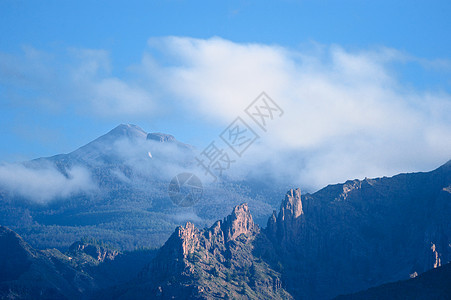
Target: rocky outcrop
x: 214, y: 263
x: 291, y: 207
x: 284, y: 228
x: 239, y: 222
x: 96, y: 252
x: 167, y: 139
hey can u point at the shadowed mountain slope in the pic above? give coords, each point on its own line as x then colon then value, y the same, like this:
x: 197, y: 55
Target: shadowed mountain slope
x: 27, y: 273
x: 431, y: 285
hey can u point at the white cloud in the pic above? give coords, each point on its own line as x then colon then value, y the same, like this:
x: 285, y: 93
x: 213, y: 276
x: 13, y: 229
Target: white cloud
x: 183, y: 216
x: 217, y: 77
x: 105, y: 94
x: 346, y: 113
x: 79, y: 78
x: 45, y: 183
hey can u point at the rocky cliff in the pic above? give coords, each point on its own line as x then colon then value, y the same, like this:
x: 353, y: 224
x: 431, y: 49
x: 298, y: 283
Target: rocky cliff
x: 214, y: 263
x: 340, y: 240
x: 351, y: 236
x: 92, y: 252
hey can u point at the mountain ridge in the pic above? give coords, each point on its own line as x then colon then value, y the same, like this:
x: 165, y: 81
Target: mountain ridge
x: 373, y: 231
x: 213, y: 263
x: 342, y: 228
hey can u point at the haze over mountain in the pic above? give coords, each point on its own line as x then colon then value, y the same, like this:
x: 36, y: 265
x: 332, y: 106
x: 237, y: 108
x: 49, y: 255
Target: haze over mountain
x: 115, y: 188
x: 340, y: 240
x: 274, y: 157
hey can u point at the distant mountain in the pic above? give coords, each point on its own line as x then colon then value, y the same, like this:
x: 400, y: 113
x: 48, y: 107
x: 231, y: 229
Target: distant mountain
x: 125, y: 145
x: 129, y: 206
x: 431, y: 285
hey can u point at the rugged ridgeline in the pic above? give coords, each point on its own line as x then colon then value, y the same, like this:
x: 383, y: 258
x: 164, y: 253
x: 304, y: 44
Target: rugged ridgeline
x: 433, y: 284
x: 348, y: 237
x: 214, y: 263
x: 340, y: 240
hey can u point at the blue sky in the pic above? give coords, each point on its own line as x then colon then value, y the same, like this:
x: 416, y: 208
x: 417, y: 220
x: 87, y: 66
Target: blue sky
x: 68, y: 70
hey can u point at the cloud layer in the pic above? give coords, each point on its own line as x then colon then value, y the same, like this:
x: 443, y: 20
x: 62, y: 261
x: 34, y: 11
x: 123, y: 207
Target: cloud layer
x: 45, y: 183
x: 346, y: 116
x: 347, y: 113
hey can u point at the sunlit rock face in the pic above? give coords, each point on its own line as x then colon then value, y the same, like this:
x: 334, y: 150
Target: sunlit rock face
x: 214, y: 263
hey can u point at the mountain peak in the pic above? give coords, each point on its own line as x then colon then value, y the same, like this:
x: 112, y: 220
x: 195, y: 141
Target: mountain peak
x: 105, y: 142
x: 242, y: 209
x: 128, y: 130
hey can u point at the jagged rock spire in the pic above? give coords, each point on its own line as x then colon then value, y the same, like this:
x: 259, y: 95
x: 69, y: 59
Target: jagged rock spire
x: 188, y: 235
x: 292, y: 205
x: 240, y: 221
x: 187, y: 238
x: 284, y: 226
x: 197, y: 263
